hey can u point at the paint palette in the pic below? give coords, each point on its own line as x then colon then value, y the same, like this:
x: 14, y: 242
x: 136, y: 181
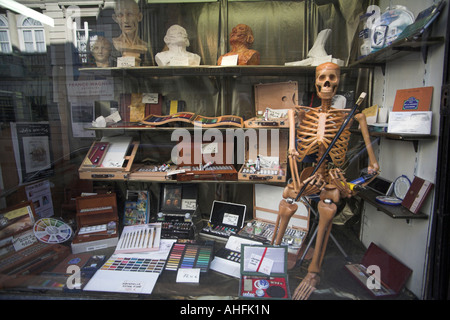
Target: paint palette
x: 134, y: 264
x: 189, y: 256
x: 50, y: 230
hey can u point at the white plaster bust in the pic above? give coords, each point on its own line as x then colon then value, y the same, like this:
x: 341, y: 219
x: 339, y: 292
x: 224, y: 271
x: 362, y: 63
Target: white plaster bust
x: 177, y: 40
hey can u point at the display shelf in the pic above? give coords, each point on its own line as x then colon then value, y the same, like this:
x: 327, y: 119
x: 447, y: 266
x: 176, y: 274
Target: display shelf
x: 414, y: 138
x: 397, y: 50
x: 138, y: 127
x: 395, y: 212
x: 206, y: 70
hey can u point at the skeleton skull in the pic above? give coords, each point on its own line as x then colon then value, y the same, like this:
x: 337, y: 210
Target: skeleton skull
x: 327, y: 80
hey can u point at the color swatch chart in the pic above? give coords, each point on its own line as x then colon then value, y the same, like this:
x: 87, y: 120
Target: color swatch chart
x: 134, y: 264
x: 189, y: 256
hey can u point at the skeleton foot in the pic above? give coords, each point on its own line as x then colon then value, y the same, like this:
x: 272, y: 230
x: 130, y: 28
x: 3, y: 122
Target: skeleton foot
x: 306, y: 287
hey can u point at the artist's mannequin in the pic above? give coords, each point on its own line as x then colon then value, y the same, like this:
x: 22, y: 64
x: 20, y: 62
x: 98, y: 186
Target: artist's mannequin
x: 241, y: 39
x: 177, y: 40
x: 127, y: 16
x: 101, y: 50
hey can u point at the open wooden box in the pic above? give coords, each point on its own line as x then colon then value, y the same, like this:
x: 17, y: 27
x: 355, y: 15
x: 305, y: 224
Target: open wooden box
x: 271, y: 146
x: 206, y: 160
x: 272, y: 100
x: 114, y: 162
x: 92, y: 211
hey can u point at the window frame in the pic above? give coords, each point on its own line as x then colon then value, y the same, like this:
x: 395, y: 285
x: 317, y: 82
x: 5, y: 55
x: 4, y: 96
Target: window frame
x: 36, y: 26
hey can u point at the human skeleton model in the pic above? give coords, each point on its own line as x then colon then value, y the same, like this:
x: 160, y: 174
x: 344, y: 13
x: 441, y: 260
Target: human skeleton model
x: 315, y: 130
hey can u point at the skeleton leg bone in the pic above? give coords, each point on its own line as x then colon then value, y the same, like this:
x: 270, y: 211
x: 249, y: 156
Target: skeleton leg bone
x: 326, y: 213
x: 285, y: 211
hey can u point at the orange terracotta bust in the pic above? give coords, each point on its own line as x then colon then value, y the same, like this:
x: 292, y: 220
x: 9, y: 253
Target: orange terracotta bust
x: 241, y: 39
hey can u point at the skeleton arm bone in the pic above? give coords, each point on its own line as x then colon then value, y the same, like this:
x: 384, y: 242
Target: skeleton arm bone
x: 294, y: 116
x: 373, y: 163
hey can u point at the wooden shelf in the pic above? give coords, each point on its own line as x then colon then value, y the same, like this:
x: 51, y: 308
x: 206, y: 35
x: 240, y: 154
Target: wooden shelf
x: 137, y: 127
x: 414, y: 138
x: 206, y: 70
x: 395, y: 212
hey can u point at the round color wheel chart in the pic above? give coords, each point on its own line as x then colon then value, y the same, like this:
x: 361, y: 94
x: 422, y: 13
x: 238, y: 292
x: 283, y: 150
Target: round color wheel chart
x: 50, y: 230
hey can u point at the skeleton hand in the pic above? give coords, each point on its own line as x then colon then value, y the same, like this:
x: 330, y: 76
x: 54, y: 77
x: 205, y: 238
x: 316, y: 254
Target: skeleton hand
x: 373, y: 169
x: 314, y: 184
x: 338, y: 179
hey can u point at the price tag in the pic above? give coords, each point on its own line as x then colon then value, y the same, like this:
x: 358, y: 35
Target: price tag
x: 188, y: 275
x: 124, y: 62
x: 151, y: 98
x: 229, y: 60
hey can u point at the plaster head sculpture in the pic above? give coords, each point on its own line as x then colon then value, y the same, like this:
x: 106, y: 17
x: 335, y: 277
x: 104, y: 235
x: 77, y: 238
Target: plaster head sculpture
x: 177, y: 40
x: 327, y: 80
x: 101, y: 50
x: 127, y: 16
x: 241, y: 40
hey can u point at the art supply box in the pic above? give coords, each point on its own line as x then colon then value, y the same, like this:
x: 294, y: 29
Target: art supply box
x: 272, y: 101
x: 96, y: 211
x: 227, y: 260
x: 226, y: 219
x: 392, y: 274
x: 264, y: 272
x: 266, y: 157
x: 109, y: 159
x: 177, y: 210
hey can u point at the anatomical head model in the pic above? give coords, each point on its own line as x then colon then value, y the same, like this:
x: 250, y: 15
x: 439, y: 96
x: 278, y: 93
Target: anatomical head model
x: 241, y: 40
x: 127, y: 16
x: 324, y: 132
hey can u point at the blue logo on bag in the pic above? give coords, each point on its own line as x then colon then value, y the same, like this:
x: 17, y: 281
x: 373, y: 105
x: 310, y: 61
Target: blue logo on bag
x: 411, y: 104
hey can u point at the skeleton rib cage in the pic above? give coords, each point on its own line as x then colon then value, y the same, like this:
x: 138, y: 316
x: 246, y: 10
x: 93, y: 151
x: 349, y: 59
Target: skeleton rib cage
x: 319, y: 128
